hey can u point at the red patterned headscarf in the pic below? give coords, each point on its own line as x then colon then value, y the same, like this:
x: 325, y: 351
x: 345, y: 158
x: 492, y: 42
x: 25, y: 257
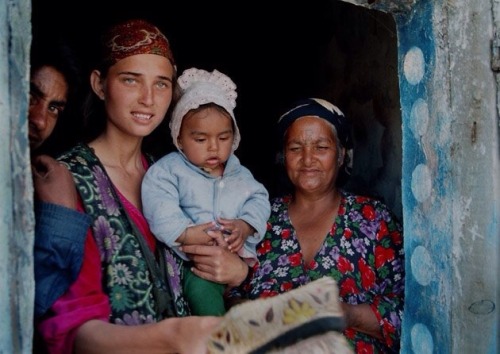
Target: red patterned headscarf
x: 134, y: 37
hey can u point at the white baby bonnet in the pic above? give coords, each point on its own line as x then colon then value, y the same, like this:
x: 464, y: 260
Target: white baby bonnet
x: 198, y: 87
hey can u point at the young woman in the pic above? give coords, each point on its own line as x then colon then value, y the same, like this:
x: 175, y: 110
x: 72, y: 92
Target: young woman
x: 127, y: 296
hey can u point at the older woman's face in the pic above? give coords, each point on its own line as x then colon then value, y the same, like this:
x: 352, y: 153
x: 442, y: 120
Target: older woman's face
x: 311, y: 154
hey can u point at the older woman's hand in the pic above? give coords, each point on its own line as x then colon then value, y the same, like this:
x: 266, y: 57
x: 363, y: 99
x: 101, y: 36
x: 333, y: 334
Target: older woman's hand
x: 362, y: 318
x: 217, y: 264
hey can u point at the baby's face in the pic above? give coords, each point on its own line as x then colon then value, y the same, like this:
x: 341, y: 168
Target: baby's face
x: 206, y: 138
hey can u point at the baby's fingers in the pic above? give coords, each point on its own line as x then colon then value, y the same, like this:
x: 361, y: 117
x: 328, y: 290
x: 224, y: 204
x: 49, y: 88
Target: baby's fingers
x: 218, y: 237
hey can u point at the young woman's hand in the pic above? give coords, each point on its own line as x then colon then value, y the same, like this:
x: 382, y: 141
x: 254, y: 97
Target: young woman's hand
x: 216, y: 263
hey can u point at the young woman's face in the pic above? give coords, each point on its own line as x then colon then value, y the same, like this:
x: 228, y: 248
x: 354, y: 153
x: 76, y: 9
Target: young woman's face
x: 311, y: 154
x: 137, y: 92
x: 206, y: 138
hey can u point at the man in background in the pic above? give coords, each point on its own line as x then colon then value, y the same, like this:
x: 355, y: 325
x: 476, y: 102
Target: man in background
x: 59, y: 228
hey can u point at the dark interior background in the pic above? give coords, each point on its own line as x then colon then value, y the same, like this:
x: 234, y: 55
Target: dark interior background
x: 275, y: 54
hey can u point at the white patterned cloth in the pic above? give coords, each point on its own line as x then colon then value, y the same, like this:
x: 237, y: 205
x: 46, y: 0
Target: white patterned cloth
x: 308, y: 319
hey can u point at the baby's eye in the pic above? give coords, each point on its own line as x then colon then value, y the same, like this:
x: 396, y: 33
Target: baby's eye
x: 200, y: 140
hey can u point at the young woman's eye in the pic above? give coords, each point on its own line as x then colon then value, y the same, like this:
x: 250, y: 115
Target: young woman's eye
x: 162, y: 85
x: 129, y: 80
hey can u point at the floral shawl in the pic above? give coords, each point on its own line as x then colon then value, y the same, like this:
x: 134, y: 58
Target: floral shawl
x: 136, y: 284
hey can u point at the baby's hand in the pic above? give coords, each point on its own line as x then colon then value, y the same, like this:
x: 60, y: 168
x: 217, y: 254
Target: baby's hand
x: 235, y: 232
x: 196, y: 235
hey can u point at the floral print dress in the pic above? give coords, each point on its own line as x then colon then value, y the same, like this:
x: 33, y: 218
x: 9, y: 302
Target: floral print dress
x: 363, y: 252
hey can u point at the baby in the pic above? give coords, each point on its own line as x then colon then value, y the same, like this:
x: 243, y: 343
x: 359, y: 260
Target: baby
x: 203, y: 186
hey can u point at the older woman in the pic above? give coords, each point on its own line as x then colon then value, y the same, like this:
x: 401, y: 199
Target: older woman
x: 320, y: 229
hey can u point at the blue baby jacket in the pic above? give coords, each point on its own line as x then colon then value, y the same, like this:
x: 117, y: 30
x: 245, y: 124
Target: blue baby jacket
x: 177, y: 194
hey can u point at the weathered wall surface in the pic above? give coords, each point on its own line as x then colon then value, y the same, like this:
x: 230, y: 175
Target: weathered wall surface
x: 450, y: 177
x: 16, y: 215
x: 476, y: 178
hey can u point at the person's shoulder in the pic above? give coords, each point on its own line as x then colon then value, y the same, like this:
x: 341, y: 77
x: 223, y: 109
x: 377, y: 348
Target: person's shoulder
x: 365, y: 200
x: 281, y: 200
x: 233, y: 165
x: 169, y: 158
x: 368, y: 205
x: 75, y: 152
x: 234, y: 162
x: 360, y: 198
x: 165, y: 163
x: 82, y: 162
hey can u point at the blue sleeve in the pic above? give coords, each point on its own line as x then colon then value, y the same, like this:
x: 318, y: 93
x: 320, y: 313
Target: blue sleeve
x: 161, y: 202
x: 256, y: 212
x: 59, y: 241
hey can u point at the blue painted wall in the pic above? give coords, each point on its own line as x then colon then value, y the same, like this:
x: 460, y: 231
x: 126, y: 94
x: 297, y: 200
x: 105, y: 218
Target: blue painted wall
x: 450, y: 209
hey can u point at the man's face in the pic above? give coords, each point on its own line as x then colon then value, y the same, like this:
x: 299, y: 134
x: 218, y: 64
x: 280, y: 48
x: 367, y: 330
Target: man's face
x: 48, y: 94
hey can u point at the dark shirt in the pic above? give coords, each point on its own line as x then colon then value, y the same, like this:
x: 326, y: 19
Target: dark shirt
x: 59, y: 239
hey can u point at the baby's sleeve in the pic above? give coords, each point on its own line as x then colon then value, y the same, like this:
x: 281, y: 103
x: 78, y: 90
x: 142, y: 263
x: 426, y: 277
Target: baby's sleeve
x: 160, y: 203
x: 255, y: 212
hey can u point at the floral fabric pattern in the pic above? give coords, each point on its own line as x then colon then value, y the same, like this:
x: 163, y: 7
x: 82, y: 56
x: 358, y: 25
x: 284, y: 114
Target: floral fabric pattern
x: 127, y: 279
x: 363, y: 252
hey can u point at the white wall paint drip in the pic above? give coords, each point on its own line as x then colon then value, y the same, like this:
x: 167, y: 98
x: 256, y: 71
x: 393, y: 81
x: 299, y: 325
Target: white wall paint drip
x: 414, y: 65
